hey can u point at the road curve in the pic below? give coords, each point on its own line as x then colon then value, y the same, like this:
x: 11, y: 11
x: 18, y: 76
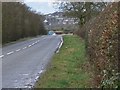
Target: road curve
x: 23, y: 62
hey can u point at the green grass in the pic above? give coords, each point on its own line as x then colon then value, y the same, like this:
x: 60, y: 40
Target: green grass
x: 66, y: 69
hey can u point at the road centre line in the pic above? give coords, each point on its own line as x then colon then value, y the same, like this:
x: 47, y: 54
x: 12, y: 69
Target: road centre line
x: 18, y: 50
x: 33, y: 43
x: 24, y: 47
x: 10, y: 53
x: 36, y: 42
x: 29, y: 45
x: 1, y: 56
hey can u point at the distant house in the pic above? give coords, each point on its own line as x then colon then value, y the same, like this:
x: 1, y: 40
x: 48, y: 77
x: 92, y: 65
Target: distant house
x: 57, y: 21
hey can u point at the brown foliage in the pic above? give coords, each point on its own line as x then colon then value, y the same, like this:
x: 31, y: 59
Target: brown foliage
x: 102, y: 44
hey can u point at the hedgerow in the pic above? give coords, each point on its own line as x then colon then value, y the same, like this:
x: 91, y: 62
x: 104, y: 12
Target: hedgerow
x: 101, y: 35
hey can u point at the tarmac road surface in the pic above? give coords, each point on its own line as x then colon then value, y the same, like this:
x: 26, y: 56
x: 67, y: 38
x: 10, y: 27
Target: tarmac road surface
x: 23, y: 62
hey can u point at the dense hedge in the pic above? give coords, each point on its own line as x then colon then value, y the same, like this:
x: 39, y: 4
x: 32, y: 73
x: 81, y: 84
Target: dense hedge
x: 19, y: 21
x: 102, y: 46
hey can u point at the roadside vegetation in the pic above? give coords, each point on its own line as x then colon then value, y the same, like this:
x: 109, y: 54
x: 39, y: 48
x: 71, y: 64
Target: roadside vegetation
x: 98, y: 47
x: 99, y: 27
x: 68, y: 68
x: 102, y: 46
x: 19, y: 21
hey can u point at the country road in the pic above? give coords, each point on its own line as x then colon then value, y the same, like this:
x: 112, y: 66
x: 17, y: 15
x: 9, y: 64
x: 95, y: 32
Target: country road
x: 23, y: 62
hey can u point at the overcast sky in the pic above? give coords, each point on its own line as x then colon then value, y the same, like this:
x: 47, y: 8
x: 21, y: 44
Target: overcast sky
x: 44, y: 7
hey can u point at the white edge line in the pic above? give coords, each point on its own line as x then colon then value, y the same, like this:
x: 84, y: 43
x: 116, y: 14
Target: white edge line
x: 60, y: 44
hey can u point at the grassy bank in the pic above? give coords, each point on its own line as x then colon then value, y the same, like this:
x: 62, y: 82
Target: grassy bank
x: 67, y: 69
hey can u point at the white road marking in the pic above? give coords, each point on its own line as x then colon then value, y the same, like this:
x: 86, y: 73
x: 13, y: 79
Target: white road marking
x: 36, y: 42
x: 10, y: 53
x: 1, y: 56
x: 33, y: 43
x: 18, y: 50
x: 41, y: 71
x: 24, y: 47
x: 36, y: 77
x: 29, y: 45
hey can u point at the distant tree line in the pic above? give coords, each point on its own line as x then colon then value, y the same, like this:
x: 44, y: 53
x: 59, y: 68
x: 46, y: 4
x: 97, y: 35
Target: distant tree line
x: 19, y: 21
x: 84, y: 11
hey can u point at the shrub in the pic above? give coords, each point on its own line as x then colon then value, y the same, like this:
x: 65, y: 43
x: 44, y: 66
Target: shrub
x: 102, y: 46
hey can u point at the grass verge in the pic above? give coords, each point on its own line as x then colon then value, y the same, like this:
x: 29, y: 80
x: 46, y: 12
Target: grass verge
x: 67, y: 67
